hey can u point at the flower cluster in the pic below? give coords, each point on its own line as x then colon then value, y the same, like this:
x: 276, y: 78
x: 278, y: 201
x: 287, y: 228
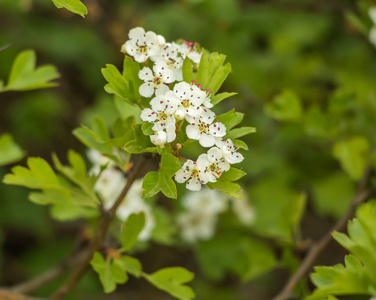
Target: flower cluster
x: 198, y: 221
x: 174, y: 101
x: 109, y: 186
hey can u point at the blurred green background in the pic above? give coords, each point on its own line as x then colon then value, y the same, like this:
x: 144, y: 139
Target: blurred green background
x: 314, y: 55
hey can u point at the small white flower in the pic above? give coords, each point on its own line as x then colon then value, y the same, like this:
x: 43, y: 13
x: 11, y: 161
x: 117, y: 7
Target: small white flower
x: 160, y: 138
x: 141, y: 45
x: 372, y: 33
x: 169, y: 55
x: 216, y: 164
x: 202, y: 129
x: 188, y: 99
x: 155, y: 81
x: 109, y: 186
x: 161, y: 114
x: 196, y: 226
x: 192, y: 173
x: 190, y: 49
x: 98, y: 161
x: 210, y: 202
x: 133, y: 203
x: 229, y: 151
x: 243, y: 210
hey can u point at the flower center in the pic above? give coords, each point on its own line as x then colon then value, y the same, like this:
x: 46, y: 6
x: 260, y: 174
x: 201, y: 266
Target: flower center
x: 203, y: 128
x: 195, y: 173
x: 162, y: 116
x: 142, y: 49
x: 185, y: 103
x: 157, y: 81
x: 216, y: 170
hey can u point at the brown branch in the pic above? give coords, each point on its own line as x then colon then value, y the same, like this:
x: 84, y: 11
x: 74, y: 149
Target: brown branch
x: 48, y: 276
x: 317, y: 248
x: 9, y: 295
x: 97, y: 242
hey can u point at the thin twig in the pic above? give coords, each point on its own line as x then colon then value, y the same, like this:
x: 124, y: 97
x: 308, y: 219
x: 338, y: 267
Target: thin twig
x: 317, y: 248
x: 97, y: 242
x: 9, y: 295
x: 48, y: 276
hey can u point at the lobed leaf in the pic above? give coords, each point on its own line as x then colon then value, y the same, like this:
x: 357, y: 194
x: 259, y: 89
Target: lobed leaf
x: 74, y: 6
x: 10, y: 152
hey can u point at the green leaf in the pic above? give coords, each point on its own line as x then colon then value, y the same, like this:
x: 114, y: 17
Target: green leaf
x: 24, y: 76
x: 109, y: 273
x: 340, y: 280
x: 239, y: 132
x: 285, y: 107
x: 39, y: 175
x: 132, y: 228
x: 359, y: 275
x: 10, y: 152
x: 130, y: 264
x: 231, y: 118
x: 116, y: 83
x: 140, y: 143
x: 240, y: 144
x: 353, y: 155
x: 69, y: 212
x: 172, y: 281
x: 225, y: 184
x: 187, y: 70
x: 162, y: 179
x: 211, y: 73
x: 74, y: 6
x: 165, y: 228
x: 219, y: 97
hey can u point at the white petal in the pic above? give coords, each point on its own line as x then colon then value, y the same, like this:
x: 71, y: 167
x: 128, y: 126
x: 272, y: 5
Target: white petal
x: 178, y: 74
x: 182, y: 89
x: 372, y: 14
x: 146, y: 74
x: 129, y: 48
x: 171, y: 132
x: 215, y: 154
x: 158, y: 103
x: 217, y: 129
x: 207, y: 116
x: 192, y: 132
x: 161, y: 40
x: 159, y: 67
x: 161, y: 90
x: 207, y: 103
x: 206, y: 140
x: 182, y: 175
x: 146, y: 89
x: 180, y: 114
x: 159, y: 139
x: 140, y: 58
x: 148, y: 115
x: 193, y: 184
x: 137, y: 33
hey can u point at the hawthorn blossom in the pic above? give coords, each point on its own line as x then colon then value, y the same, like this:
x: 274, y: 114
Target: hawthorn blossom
x: 216, y: 164
x: 161, y: 114
x: 229, y: 151
x: 189, y: 49
x: 134, y: 203
x: 141, y: 45
x: 193, y: 173
x: 243, y: 210
x: 372, y: 33
x: 210, y: 202
x: 202, y: 129
x: 188, y: 99
x: 169, y: 55
x: 99, y: 161
x: 155, y: 81
x: 196, y: 226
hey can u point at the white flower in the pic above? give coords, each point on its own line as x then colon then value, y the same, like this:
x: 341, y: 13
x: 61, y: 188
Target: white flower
x: 196, y: 226
x: 155, y: 81
x: 133, y: 203
x: 210, y: 202
x: 193, y: 173
x: 216, y: 164
x: 189, y: 49
x: 141, y: 45
x: 160, y: 138
x: 109, y: 186
x: 243, y: 210
x: 169, y: 55
x: 98, y: 161
x: 372, y: 33
x: 188, y: 99
x: 202, y: 129
x: 161, y: 114
x: 229, y: 151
